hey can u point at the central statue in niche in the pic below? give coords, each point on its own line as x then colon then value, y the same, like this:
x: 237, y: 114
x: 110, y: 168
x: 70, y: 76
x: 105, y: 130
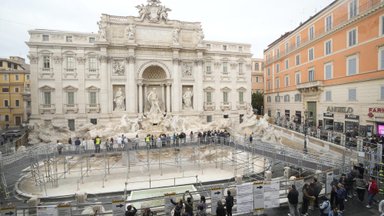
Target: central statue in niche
x: 155, y: 113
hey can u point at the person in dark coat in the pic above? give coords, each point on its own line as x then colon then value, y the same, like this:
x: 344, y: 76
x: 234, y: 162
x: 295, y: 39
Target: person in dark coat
x: 220, y: 210
x: 188, y: 204
x: 293, y: 201
x: 229, y: 203
x: 131, y: 211
x: 178, y: 207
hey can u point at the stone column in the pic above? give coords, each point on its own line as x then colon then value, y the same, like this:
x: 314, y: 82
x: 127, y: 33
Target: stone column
x: 176, y: 86
x: 103, y: 97
x: 140, y: 97
x: 131, y: 89
x: 163, y: 93
x: 198, y: 93
x: 168, y: 89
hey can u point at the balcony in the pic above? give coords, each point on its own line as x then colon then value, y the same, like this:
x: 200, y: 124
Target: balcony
x: 70, y: 73
x: 241, y: 105
x: 47, y: 109
x: 71, y: 108
x: 209, y: 106
x: 46, y: 73
x: 225, y: 106
x: 93, y: 108
x: 313, y: 86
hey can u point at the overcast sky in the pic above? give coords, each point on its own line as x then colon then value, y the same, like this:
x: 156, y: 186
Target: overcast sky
x: 258, y: 22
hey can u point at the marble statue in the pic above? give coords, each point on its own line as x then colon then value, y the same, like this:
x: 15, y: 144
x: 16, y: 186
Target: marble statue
x: 102, y: 34
x: 200, y: 37
x: 119, y: 100
x: 131, y: 32
x: 163, y: 13
x: 153, y: 12
x: 142, y: 11
x: 155, y: 113
x: 175, y: 37
x: 187, y: 99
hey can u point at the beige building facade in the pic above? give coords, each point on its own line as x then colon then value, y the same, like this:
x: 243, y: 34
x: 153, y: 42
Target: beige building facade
x: 257, y: 75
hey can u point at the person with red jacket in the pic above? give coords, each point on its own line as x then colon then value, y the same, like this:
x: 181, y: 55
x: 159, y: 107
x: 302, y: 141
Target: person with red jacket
x: 372, y: 191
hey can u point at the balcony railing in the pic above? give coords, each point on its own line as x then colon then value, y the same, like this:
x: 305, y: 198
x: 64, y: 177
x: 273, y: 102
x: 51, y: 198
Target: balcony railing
x: 225, y: 106
x: 47, y: 108
x: 209, y: 106
x: 309, y: 85
x: 241, y: 105
x: 71, y: 108
x: 93, y: 108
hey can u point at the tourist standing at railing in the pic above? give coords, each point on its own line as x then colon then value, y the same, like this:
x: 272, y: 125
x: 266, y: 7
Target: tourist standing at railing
x: 202, y: 206
x: 220, y: 210
x: 360, y: 187
x: 178, y: 207
x: 84, y: 144
x: 77, y: 145
x: 131, y: 211
x: 188, y: 203
x: 97, y: 144
x: 59, y: 147
x: 293, y: 201
x: 229, y: 201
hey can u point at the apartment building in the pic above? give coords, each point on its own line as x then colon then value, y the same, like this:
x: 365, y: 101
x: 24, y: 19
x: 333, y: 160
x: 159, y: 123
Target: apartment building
x: 328, y: 72
x: 257, y: 75
x: 15, y: 100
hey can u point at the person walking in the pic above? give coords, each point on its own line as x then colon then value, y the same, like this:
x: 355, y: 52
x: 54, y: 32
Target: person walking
x: 229, y: 203
x: 293, y: 201
x: 360, y: 188
x: 306, y: 198
x: 317, y: 187
x: 372, y: 191
x: 341, y: 196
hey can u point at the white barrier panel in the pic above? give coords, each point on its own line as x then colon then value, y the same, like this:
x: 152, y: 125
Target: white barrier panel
x: 216, y: 195
x: 271, y: 194
x: 50, y: 210
x: 118, y: 207
x: 258, y: 197
x: 244, y: 198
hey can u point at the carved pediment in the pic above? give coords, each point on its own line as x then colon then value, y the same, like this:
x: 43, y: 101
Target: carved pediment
x: 209, y: 89
x: 70, y: 88
x: 93, y: 88
x: 241, y: 89
x: 46, y: 88
x: 225, y: 89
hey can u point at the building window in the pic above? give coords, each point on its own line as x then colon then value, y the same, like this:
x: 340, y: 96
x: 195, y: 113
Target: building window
x: 286, y: 81
x: 93, y: 121
x: 352, y: 94
x: 241, y: 97
x: 5, y: 89
x: 286, y: 98
x: 17, y: 77
x: 47, y: 98
x: 277, y: 83
x: 381, y: 58
x: 224, y: 47
x: 310, y: 54
x: 353, y: 8
x: 16, y: 89
x: 297, y: 97
x: 6, y: 118
x: 298, y: 78
x: 257, y: 79
x: 298, y: 59
x: 6, y: 103
x: 209, y: 97
x: 15, y: 66
x: 1, y: 64
x: 268, y: 99
x: 381, y: 23
x: 225, y: 67
x: 27, y: 77
x: 328, y: 47
x: 70, y: 98
x: 328, y: 71
x: 311, y: 32
x: 298, y: 40
x: 311, y: 75
x: 17, y: 103
x: 209, y: 118
x: 208, y: 67
x: 257, y: 66
x: 352, y: 65
x: 277, y: 53
x: 71, y: 124
x: 286, y: 64
x: 240, y: 68
x: 328, y: 96
x: 352, y: 37
x: 381, y: 92
x: 5, y: 77
x: 277, y: 68
x: 92, y: 63
x: 240, y: 49
x: 286, y: 48
x: 9, y: 65
x: 328, y: 23
x: 92, y: 98
x: 268, y: 71
x: 68, y: 38
x: 225, y: 97
x: 45, y: 37
x: 70, y: 63
x: 269, y: 85
x: 277, y: 98
x: 46, y: 62
x: 91, y: 40
x: 209, y: 46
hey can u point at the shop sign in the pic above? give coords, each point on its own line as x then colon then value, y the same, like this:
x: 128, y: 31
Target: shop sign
x: 379, y: 112
x: 331, y: 109
x: 352, y: 117
x: 328, y: 115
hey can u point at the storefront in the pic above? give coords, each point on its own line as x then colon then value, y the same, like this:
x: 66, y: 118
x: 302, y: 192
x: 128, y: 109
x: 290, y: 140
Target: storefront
x: 376, y: 114
x: 298, y: 117
x: 352, y: 125
x: 328, y: 121
x: 287, y: 115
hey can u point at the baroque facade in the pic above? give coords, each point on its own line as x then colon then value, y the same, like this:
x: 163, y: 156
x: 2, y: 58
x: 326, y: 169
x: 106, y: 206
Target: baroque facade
x: 329, y: 71
x: 15, y: 101
x: 146, y: 66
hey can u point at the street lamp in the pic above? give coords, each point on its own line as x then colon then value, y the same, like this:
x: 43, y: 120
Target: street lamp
x: 305, y: 131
